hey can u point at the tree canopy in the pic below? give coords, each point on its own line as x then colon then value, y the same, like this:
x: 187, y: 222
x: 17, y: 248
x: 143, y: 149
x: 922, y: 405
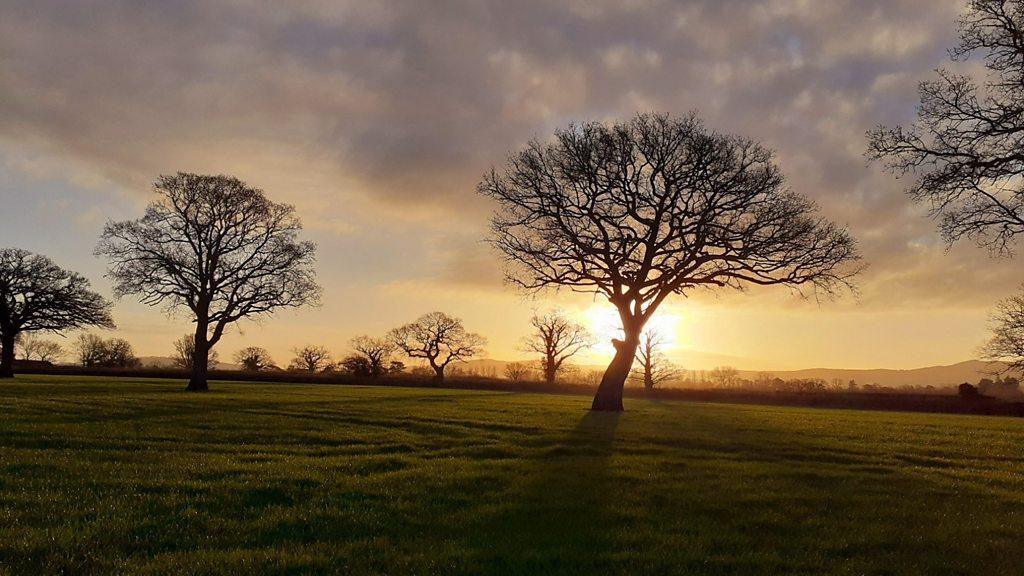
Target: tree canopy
x: 439, y: 339
x: 639, y: 210
x: 37, y: 295
x: 964, y: 150
x: 217, y: 247
x: 556, y: 338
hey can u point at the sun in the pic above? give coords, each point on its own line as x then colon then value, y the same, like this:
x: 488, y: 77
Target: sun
x: 604, y: 323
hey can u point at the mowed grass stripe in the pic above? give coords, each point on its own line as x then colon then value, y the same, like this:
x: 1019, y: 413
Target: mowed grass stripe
x: 139, y: 477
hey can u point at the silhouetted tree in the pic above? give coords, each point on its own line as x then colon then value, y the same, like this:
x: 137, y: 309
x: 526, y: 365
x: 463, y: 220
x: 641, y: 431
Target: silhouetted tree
x: 94, y: 351
x: 641, y: 210
x: 396, y: 367
x: 357, y: 365
x: 31, y: 347
x: 1007, y: 341
x: 90, y: 349
x: 556, y: 338
x: 311, y: 358
x: 516, y: 371
x: 254, y: 358
x: 377, y: 353
x: 36, y: 295
x: 964, y: 148
x: 655, y: 368
x: 119, y: 353
x: 185, y: 352
x: 967, y: 390
x: 217, y: 247
x: 725, y: 376
x: 439, y: 339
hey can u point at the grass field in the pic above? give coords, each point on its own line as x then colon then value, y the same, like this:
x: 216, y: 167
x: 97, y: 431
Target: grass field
x: 140, y: 477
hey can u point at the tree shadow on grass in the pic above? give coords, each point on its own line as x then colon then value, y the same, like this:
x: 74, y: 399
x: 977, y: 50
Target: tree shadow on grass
x: 558, y: 519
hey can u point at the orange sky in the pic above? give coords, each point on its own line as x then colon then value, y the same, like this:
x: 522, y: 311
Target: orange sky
x: 376, y: 119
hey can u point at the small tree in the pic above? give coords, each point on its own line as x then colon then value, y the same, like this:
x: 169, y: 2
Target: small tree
x: 641, y: 210
x: 377, y: 353
x: 964, y: 148
x: 185, y: 352
x: 311, y: 358
x: 967, y: 390
x: 439, y: 339
x: 36, y: 295
x: 655, y: 368
x: 254, y: 358
x: 94, y: 351
x: 357, y: 365
x: 516, y: 371
x: 217, y: 247
x: 556, y: 338
x: 31, y: 347
x: 725, y: 377
x: 91, y: 350
x: 119, y: 353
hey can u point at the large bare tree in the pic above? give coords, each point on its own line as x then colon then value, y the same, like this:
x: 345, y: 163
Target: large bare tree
x: 439, y: 339
x: 641, y: 210
x: 36, y: 295
x: 964, y: 151
x: 556, y: 338
x: 217, y: 247
x: 654, y: 367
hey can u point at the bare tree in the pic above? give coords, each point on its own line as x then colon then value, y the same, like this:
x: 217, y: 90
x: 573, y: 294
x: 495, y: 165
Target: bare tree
x: 311, y: 358
x: 725, y: 377
x: 516, y: 371
x: 376, y: 351
x: 641, y: 210
x: 219, y: 248
x: 119, y: 353
x: 36, y: 295
x: 94, y: 351
x: 185, y: 352
x: 1007, y: 341
x: 655, y: 368
x: 556, y: 338
x: 32, y: 347
x: 439, y: 339
x: 964, y: 148
x: 254, y: 358
x: 90, y: 349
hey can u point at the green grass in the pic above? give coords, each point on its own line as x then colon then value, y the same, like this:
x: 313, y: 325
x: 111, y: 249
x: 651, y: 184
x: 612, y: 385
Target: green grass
x: 140, y: 477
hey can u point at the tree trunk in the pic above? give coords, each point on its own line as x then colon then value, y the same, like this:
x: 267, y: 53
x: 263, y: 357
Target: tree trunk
x: 7, y: 357
x: 550, y: 371
x: 438, y: 371
x: 648, y: 376
x: 609, y: 393
x: 200, y: 361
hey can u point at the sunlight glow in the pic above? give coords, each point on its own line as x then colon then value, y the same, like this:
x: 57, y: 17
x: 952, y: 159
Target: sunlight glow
x: 603, y: 322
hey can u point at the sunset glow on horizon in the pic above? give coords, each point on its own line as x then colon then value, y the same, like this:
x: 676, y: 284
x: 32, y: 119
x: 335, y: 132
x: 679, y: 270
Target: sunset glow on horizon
x: 378, y: 122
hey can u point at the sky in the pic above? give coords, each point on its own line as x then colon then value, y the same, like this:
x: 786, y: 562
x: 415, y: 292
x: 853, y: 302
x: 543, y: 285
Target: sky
x: 377, y: 120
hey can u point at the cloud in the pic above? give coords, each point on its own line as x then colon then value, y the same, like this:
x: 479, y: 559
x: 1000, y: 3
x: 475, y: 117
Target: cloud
x: 375, y: 116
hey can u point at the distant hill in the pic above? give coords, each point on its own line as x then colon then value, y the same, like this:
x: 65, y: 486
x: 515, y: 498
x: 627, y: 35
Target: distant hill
x: 968, y: 371
x: 166, y: 362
